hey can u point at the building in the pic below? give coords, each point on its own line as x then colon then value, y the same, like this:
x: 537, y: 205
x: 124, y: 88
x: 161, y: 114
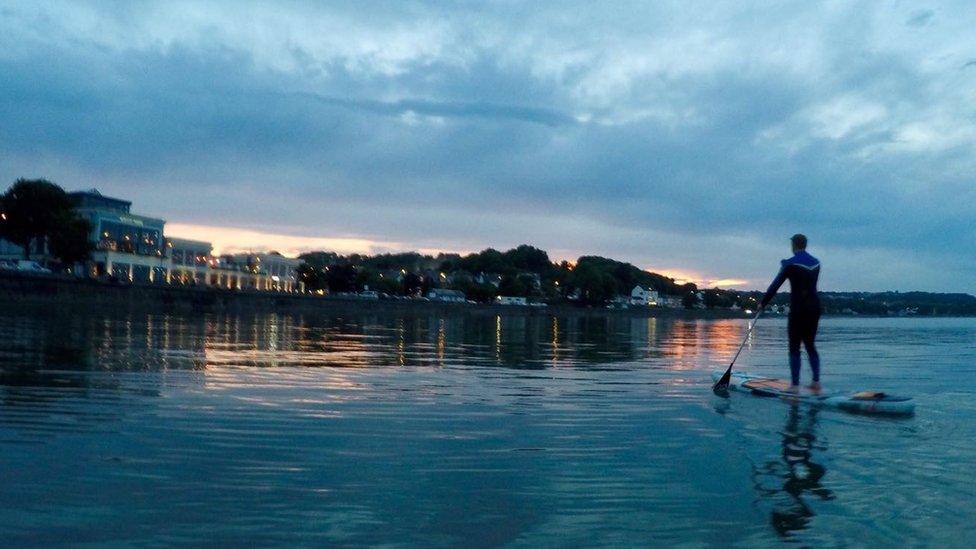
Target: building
x: 132, y: 247
x: 509, y: 300
x: 257, y: 271
x: 671, y: 301
x: 128, y: 246
x: 494, y: 279
x: 449, y: 296
x: 190, y: 261
x: 643, y: 296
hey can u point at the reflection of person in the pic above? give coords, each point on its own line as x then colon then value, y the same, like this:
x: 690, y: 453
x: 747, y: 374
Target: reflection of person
x: 802, y: 270
x: 800, y: 475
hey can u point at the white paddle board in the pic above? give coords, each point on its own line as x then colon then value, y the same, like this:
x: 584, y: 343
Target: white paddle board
x: 864, y: 402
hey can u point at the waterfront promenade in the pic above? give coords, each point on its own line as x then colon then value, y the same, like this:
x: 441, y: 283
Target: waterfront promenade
x: 69, y: 292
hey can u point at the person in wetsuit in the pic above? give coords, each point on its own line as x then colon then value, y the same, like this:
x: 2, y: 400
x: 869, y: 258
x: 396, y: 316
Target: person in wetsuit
x: 802, y: 270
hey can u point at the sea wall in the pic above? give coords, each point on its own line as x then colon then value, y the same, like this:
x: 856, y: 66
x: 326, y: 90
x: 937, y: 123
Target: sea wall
x: 30, y: 289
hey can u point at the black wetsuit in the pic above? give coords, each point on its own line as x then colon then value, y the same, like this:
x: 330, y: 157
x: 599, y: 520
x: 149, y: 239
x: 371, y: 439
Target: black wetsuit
x: 802, y: 270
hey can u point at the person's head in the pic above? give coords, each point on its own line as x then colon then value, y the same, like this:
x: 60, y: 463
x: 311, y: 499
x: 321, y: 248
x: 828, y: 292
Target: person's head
x: 799, y: 242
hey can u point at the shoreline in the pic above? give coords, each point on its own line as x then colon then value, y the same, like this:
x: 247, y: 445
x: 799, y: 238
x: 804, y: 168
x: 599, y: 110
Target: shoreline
x: 29, y: 289
x: 40, y: 290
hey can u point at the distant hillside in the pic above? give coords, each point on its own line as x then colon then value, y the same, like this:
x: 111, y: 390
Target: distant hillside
x: 891, y: 303
x: 523, y: 271
x: 904, y: 303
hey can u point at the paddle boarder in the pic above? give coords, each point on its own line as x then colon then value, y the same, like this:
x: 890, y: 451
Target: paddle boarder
x: 802, y: 270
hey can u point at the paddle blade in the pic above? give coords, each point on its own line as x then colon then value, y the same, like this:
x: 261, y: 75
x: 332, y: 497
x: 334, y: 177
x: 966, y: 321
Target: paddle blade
x: 722, y: 385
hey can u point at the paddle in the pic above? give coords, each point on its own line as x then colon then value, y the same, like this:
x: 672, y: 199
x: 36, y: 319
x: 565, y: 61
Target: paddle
x: 723, y: 383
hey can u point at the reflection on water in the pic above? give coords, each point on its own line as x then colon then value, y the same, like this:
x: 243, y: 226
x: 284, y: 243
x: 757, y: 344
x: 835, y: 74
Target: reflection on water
x: 162, y: 342
x: 453, y: 430
x: 790, y: 481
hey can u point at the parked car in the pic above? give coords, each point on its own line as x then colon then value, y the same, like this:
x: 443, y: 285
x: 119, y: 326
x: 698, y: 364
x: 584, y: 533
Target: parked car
x: 8, y: 265
x: 31, y: 266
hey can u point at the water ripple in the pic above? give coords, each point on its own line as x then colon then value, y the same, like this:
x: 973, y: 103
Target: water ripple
x: 413, y: 430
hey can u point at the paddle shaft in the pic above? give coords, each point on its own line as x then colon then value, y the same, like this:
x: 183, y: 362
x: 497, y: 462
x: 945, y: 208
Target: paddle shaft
x: 728, y: 373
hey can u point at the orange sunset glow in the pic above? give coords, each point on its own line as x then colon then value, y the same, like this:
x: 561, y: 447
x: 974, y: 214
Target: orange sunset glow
x: 232, y: 240
x: 702, y: 280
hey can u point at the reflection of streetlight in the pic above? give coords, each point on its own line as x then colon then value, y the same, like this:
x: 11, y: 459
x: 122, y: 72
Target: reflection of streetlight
x: 3, y: 216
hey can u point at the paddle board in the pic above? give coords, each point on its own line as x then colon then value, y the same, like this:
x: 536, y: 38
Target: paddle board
x: 864, y: 402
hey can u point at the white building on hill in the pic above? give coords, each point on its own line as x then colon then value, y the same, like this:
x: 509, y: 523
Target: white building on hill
x: 643, y: 296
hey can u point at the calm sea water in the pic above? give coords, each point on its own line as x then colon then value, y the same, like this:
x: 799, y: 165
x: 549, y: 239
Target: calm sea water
x: 366, y: 430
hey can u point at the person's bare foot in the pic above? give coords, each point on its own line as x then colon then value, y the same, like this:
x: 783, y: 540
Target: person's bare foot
x: 793, y: 389
x: 814, y: 387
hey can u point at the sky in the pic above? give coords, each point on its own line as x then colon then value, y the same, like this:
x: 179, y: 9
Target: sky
x: 689, y: 138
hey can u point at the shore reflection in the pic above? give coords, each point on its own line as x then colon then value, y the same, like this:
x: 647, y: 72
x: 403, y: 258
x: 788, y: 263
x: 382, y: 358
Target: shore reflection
x: 49, y: 359
x: 152, y: 342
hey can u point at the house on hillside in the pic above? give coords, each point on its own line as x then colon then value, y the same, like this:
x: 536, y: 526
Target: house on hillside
x: 494, y: 279
x: 670, y: 301
x: 446, y: 295
x: 643, y: 296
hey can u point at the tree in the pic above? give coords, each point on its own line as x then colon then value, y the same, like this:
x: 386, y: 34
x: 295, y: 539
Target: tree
x: 529, y: 258
x: 33, y: 209
x: 482, y: 293
x: 376, y: 281
x: 314, y: 278
x: 69, y: 241
x: 513, y: 286
x: 595, y: 285
x: 486, y: 261
x: 341, y: 278
x: 413, y: 284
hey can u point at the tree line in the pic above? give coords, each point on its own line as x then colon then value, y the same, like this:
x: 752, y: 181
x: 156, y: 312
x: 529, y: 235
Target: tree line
x: 524, y: 271
x: 36, y: 211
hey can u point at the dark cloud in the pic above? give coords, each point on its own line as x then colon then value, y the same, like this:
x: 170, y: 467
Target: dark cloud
x: 658, y: 136
x: 406, y: 107
x: 920, y: 18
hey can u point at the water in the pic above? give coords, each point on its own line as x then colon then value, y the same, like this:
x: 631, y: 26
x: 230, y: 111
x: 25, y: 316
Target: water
x: 363, y: 430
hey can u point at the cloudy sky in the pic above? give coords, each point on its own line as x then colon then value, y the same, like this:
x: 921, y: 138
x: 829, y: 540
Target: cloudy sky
x: 688, y: 138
